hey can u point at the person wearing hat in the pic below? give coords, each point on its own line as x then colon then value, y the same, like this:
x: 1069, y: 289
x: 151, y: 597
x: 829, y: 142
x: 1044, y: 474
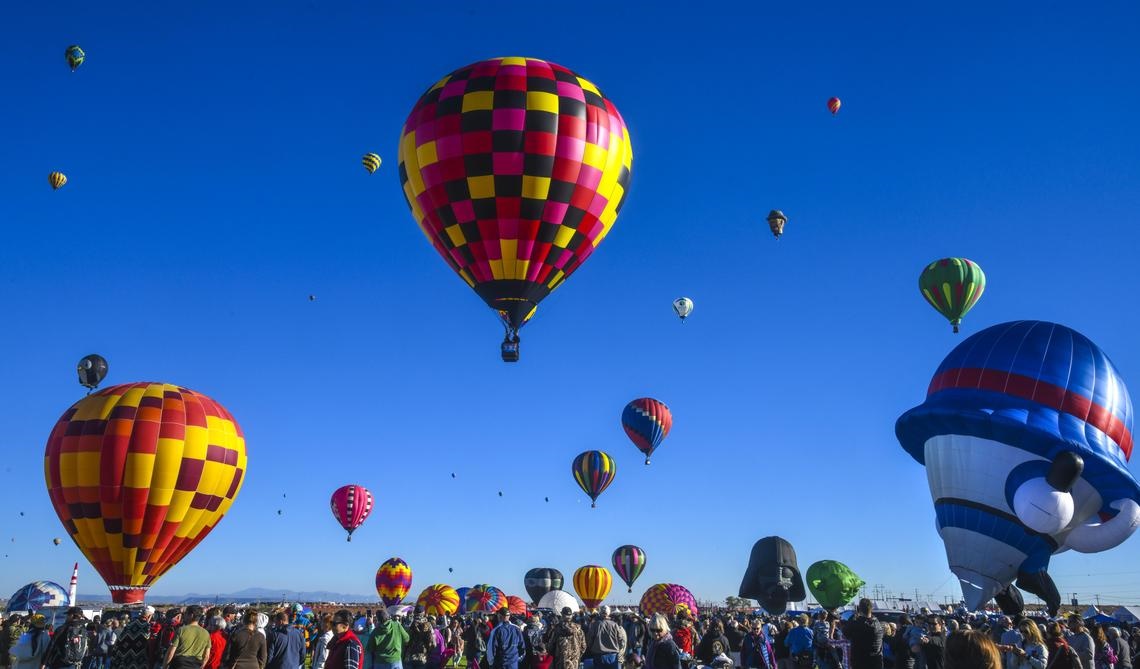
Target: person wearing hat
x: 69, y: 644
x: 345, y: 649
x: 606, y: 641
x: 10, y: 635
x: 566, y: 642
x: 132, y: 648
x: 422, y: 646
x: 29, y: 650
x: 505, y: 646
x: 385, y: 646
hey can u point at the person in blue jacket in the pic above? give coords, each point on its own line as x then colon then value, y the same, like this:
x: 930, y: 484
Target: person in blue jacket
x: 800, y: 642
x: 506, y: 645
x: 285, y: 644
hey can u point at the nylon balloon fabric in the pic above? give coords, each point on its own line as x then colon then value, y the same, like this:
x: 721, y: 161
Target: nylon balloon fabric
x: 439, y: 600
x: 139, y: 474
x: 393, y: 581
x: 351, y: 505
x: 592, y: 583
x: 646, y: 422
x: 37, y: 595
x: 515, y: 170
x: 594, y: 471
x: 629, y: 562
x: 541, y: 580
x: 485, y: 598
x: 516, y: 606
x: 667, y: 599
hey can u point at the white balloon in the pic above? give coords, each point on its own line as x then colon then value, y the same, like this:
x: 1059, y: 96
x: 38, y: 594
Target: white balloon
x: 683, y: 306
x: 557, y: 600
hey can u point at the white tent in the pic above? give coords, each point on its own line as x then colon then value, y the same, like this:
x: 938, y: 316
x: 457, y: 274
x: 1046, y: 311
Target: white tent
x: 1127, y: 614
x: 1090, y: 612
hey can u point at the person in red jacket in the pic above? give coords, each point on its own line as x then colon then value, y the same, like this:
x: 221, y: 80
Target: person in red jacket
x: 345, y: 649
x: 683, y: 633
x: 217, y: 628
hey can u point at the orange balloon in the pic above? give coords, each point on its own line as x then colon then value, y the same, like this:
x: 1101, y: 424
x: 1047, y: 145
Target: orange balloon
x: 139, y: 474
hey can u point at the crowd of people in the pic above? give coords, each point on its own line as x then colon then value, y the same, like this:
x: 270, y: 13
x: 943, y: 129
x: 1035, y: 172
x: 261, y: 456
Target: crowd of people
x: 229, y: 638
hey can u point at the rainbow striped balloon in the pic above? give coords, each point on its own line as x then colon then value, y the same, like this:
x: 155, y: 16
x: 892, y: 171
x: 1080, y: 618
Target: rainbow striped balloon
x: 486, y: 598
x: 393, y: 581
x: 594, y: 471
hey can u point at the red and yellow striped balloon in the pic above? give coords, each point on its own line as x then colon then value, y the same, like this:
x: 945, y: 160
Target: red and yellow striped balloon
x: 592, y: 583
x: 139, y: 474
x: 439, y: 600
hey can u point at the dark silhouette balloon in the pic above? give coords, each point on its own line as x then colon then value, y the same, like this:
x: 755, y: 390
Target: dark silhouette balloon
x: 91, y: 369
x: 773, y: 575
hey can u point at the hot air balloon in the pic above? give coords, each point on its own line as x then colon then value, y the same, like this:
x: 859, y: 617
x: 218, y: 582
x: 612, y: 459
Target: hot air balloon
x: 515, y: 170
x: 1025, y: 433
x: 833, y: 105
x: 92, y: 368
x: 832, y: 583
x: 629, y: 561
x: 351, y: 505
x: 592, y: 583
x: 56, y: 541
x: 683, y: 306
x: 777, y: 221
x: 393, y: 581
x: 139, y: 474
x: 556, y: 600
x: 485, y: 598
x: 541, y: 580
x: 594, y: 471
x: 462, y: 593
x: 75, y: 56
x: 668, y: 599
x: 773, y: 575
x: 371, y: 162
x: 952, y: 286
x: 38, y: 595
x: 439, y: 600
x: 516, y: 606
x: 57, y: 180
x: 646, y: 422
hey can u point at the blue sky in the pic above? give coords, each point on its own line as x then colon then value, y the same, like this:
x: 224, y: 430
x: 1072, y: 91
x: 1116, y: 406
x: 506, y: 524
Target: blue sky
x: 213, y: 157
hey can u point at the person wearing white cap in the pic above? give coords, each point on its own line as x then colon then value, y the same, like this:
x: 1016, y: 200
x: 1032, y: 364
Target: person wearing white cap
x: 605, y: 642
x: 131, y: 648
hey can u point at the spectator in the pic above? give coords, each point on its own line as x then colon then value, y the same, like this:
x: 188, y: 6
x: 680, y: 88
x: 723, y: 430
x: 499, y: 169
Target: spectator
x: 663, y: 652
x: 866, y: 636
x: 246, y: 648
x: 971, y: 650
x: 190, y: 647
x: 345, y: 649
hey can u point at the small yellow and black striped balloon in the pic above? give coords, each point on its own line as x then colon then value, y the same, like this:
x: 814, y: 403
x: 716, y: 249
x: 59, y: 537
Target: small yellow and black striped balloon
x: 57, y: 180
x: 371, y: 162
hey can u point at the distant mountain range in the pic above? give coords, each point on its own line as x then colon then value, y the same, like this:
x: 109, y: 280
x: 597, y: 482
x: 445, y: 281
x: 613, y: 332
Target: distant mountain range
x: 244, y: 596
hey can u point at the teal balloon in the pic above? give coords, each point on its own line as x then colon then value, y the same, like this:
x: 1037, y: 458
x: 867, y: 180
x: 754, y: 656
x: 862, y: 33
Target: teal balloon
x: 832, y: 583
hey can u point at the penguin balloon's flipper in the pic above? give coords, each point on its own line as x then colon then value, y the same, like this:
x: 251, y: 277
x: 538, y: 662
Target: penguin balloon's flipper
x: 1041, y: 584
x: 1010, y: 601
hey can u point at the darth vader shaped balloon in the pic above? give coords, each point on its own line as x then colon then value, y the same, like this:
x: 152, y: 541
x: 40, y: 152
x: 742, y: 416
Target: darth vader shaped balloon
x: 773, y: 575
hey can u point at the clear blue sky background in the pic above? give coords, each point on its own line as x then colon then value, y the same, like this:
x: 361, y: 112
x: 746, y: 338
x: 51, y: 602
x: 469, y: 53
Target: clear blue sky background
x: 213, y: 155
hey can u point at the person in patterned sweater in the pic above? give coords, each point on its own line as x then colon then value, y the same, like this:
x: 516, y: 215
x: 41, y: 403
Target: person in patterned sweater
x: 132, y: 648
